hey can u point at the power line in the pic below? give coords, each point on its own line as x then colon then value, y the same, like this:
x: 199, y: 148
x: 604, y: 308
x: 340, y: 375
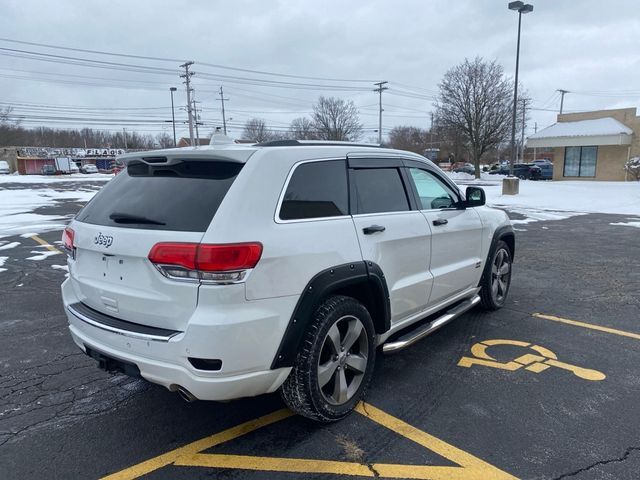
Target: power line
x: 174, y: 60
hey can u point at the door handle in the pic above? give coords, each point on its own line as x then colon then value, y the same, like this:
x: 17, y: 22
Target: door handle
x: 373, y: 229
x: 440, y: 221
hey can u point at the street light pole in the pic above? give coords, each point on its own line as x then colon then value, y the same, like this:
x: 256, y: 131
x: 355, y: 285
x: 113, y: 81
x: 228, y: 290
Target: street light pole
x: 521, y: 8
x: 173, y: 116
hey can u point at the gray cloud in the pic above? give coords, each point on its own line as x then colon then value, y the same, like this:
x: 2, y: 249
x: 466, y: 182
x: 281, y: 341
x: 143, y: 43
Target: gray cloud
x: 589, y: 47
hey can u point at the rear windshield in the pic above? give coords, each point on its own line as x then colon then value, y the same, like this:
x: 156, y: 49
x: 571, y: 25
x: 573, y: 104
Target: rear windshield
x: 182, y: 197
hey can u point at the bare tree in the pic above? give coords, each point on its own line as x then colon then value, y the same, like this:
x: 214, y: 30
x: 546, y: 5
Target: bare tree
x: 164, y: 140
x: 409, y: 138
x: 256, y: 129
x: 336, y: 119
x: 302, y: 128
x: 475, y: 100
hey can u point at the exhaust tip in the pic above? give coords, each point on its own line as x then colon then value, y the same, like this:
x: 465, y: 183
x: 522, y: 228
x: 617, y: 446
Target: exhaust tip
x: 186, y: 395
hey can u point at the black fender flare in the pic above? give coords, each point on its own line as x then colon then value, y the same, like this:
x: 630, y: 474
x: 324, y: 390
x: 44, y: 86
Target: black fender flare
x: 366, y: 277
x: 501, y: 233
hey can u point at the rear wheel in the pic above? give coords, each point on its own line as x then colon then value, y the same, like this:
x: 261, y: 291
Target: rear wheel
x: 334, y: 366
x: 496, y: 280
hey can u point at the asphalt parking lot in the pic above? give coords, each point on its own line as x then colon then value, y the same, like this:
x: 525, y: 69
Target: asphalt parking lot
x: 546, y: 388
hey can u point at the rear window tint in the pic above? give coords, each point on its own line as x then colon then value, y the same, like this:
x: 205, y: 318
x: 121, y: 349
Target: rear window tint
x: 316, y: 189
x: 182, y: 197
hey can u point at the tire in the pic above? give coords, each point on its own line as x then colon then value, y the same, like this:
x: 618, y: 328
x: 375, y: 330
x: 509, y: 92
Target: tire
x: 495, y: 285
x: 326, y: 382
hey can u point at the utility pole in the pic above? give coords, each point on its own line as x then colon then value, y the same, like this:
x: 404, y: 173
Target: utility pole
x: 524, y: 115
x: 195, y: 115
x: 224, y: 119
x: 562, y: 92
x: 187, y: 81
x: 381, y: 88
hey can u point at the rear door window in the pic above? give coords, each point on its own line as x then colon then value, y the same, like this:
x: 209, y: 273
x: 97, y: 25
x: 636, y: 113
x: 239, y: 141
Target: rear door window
x: 181, y: 197
x: 378, y: 190
x: 316, y: 190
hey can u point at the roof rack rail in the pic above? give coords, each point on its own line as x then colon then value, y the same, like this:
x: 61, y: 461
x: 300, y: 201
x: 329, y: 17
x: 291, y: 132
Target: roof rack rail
x: 314, y: 143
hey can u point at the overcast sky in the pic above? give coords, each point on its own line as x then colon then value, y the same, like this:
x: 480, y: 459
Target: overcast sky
x: 589, y: 47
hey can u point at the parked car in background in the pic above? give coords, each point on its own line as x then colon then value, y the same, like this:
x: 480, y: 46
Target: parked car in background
x: 466, y: 168
x: 48, y: 170
x: 525, y: 171
x: 89, y: 168
x: 546, y: 168
x: 4, y: 168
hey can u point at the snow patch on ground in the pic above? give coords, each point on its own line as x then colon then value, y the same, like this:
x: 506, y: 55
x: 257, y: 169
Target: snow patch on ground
x: 74, y: 177
x: 571, y: 196
x: 9, y: 245
x: 42, y: 255
x: 635, y: 222
x: 537, y: 215
x: 60, y: 267
x: 16, y: 207
x: 557, y: 200
x: 2, y: 260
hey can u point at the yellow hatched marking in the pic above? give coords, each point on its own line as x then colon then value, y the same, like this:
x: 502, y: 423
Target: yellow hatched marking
x: 470, y: 467
x: 45, y: 244
x: 590, y: 326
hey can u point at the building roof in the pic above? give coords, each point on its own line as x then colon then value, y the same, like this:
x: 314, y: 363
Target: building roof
x: 185, y: 141
x: 600, y: 131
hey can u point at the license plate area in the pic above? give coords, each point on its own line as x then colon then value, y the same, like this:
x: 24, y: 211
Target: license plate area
x: 113, y: 365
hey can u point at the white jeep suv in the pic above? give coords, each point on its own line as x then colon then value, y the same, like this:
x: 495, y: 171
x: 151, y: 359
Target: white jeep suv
x: 234, y: 270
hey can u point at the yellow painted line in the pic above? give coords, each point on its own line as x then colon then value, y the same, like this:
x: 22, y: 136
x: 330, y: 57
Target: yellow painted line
x: 590, y: 326
x: 470, y: 467
x: 45, y: 244
x: 273, y: 464
x: 198, y: 446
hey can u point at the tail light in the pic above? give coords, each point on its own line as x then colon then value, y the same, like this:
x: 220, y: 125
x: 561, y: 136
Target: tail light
x: 227, y: 263
x: 68, y: 236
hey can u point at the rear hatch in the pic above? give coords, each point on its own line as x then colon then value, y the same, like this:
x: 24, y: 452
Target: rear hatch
x: 113, y: 234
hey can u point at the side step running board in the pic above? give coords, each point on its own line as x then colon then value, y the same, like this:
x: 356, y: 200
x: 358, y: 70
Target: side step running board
x: 418, y: 334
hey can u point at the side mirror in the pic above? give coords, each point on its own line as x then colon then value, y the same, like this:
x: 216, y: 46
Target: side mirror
x: 475, y: 197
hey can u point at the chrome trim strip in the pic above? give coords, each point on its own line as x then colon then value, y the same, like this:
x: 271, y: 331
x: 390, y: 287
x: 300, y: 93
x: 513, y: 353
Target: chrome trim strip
x: 119, y: 331
x: 425, y: 330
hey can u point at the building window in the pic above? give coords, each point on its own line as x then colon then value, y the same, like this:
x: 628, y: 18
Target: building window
x: 580, y: 161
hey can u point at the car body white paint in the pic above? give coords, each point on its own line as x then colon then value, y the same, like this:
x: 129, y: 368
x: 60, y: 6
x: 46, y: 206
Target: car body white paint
x: 427, y: 268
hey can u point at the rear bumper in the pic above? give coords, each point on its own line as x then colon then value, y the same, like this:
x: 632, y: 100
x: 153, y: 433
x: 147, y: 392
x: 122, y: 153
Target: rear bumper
x: 246, y: 345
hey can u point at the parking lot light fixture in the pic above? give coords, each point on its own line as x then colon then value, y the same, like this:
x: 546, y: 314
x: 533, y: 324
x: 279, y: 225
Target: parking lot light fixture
x: 521, y: 8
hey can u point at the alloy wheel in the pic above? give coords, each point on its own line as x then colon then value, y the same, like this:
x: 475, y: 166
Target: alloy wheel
x: 343, y: 360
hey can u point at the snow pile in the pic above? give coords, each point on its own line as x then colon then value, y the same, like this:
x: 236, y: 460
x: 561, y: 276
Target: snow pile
x: 569, y: 196
x: 2, y: 260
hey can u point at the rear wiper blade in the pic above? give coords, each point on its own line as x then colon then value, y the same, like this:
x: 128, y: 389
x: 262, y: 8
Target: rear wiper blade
x: 127, y: 218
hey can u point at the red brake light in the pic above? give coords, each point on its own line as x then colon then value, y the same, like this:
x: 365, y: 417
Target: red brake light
x: 68, y: 236
x: 182, y: 254
x: 207, y: 258
x: 222, y: 258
